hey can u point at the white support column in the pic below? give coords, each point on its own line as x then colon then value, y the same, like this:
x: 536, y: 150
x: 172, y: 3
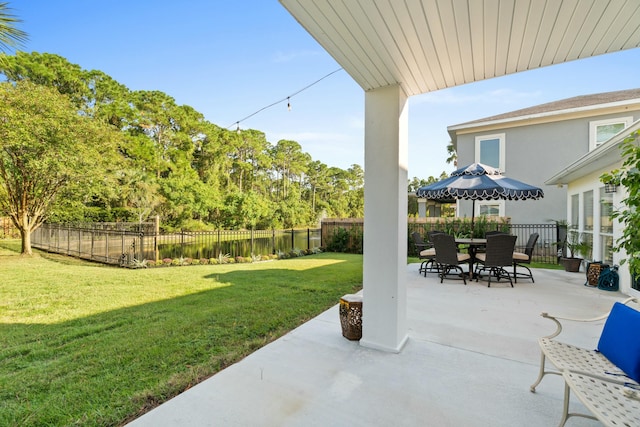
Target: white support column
x: 384, y: 307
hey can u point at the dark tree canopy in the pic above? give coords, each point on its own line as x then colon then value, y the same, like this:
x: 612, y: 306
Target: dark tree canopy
x: 46, y: 148
x: 165, y: 159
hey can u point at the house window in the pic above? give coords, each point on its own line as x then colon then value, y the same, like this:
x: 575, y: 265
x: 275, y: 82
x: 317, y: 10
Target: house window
x: 606, y: 226
x: 602, y: 130
x: 587, y: 219
x: 490, y: 150
x: 575, y: 210
x: 587, y: 212
x: 490, y: 208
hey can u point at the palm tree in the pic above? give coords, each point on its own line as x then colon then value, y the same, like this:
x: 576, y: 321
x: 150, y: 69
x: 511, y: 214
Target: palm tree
x: 453, y: 156
x: 11, y: 37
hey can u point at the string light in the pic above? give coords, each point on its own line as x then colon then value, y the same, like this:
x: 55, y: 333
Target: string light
x: 288, y: 99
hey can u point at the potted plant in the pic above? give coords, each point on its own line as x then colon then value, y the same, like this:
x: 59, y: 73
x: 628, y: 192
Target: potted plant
x: 577, y: 246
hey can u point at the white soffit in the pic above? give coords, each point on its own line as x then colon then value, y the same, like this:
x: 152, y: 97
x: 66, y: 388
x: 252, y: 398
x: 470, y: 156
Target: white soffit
x: 426, y: 45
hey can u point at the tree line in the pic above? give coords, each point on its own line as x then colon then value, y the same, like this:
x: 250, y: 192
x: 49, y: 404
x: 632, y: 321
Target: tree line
x: 78, y: 146
x: 168, y: 161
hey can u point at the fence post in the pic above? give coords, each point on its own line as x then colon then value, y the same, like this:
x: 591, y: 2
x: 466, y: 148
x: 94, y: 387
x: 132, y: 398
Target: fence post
x: 251, y: 241
x: 92, y: 242
x: 308, y: 239
x: 273, y: 241
x: 141, y: 248
x: 293, y: 243
x: 156, y: 232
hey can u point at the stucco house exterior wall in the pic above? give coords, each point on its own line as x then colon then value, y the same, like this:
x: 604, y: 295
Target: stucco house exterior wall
x: 589, y: 204
x: 537, y: 142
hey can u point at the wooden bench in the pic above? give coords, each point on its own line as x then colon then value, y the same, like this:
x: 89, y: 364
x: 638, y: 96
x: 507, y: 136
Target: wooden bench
x: 598, y: 383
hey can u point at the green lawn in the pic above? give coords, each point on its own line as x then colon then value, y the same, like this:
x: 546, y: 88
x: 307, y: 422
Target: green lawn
x: 85, y: 344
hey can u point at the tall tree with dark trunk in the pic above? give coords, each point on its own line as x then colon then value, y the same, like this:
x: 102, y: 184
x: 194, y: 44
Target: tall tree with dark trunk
x: 45, y: 146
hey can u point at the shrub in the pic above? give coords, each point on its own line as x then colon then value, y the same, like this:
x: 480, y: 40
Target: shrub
x: 195, y: 261
x: 343, y: 240
x: 213, y: 261
x: 167, y: 261
x: 204, y: 261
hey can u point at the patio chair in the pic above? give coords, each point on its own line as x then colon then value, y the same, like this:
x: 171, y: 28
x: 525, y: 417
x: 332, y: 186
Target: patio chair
x: 493, y: 233
x: 481, y: 249
x: 425, y: 252
x: 499, y: 254
x: 521, y: 258
x: 448, y: 259
x: 431, y: 266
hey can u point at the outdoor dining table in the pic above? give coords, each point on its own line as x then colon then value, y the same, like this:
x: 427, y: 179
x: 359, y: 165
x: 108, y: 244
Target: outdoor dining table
x: 474, y: 244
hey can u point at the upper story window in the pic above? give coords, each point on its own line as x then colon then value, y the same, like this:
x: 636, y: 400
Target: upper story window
x: 490, y: 150
x: 602, y: 130
x: 490, y: 208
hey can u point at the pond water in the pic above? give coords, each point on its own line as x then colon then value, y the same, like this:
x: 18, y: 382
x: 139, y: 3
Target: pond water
x: 244, y: 247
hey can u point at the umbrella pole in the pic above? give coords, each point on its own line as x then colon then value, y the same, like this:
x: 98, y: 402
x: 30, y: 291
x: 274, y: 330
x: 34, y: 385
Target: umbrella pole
x: 473, y: 212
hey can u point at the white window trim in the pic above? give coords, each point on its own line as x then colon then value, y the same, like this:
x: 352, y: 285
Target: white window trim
x: 500, y: 203
x: 601, y: 234
x: 594, y: 124
x: 499, y: 136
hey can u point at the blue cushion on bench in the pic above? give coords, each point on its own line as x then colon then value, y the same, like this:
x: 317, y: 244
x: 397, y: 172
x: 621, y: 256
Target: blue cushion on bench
x: 620, y: 339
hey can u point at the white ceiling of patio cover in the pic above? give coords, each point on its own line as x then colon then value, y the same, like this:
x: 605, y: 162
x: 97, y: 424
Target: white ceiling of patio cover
x: 426, y: 45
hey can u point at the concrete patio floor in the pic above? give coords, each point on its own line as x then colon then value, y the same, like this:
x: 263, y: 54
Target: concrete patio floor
x: 471, y: 356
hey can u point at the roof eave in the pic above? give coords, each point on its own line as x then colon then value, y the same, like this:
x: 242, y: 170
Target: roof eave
x: 454, y: 129
x: 602, y: 156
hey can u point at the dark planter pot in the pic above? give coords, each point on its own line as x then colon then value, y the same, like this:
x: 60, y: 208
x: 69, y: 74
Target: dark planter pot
x: 571, y: 264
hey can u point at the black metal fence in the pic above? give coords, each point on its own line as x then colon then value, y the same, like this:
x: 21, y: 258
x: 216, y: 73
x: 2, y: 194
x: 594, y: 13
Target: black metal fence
x: 7, y: 229
x: 546, y: 250
x: 343, y: 235
x: 123, y: 245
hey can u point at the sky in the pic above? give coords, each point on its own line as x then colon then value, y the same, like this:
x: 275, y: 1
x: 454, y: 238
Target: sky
x: 230, y: 59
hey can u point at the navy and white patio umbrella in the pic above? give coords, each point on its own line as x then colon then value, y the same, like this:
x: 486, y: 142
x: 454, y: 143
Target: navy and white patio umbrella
x: 479, y: 182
